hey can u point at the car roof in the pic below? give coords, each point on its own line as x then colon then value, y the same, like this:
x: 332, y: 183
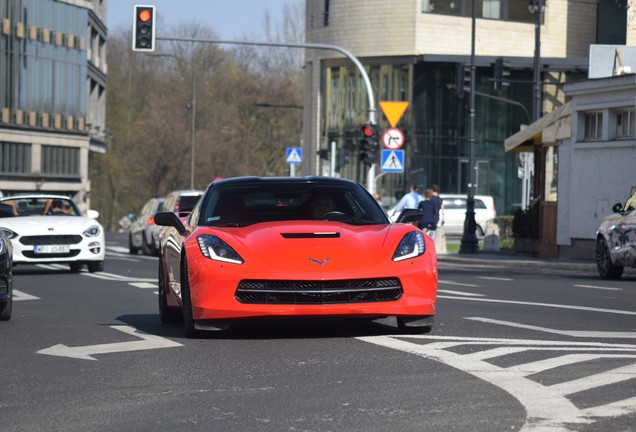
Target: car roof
x: 286, y: 180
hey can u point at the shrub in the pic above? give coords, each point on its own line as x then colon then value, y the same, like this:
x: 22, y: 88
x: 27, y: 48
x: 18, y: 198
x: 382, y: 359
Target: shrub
x: 525, y: 223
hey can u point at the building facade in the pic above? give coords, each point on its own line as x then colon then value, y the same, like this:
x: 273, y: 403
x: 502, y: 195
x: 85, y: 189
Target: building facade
x: 418, y: 51
x: 52, y: 95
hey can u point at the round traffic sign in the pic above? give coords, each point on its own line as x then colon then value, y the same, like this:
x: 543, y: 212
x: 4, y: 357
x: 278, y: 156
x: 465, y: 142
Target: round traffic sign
x: 393, y: 139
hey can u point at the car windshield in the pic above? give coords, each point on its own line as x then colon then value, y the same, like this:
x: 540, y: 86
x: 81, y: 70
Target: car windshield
x: 42, y: 206
x: 246, y: 204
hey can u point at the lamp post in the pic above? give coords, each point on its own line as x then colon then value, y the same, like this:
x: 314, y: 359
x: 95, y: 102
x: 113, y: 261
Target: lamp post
x: 469, y: 237
x: 537, y: 7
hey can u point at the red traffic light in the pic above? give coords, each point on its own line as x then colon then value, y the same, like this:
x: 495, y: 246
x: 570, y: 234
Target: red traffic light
x: 367, y: 130
x: 145, y: 15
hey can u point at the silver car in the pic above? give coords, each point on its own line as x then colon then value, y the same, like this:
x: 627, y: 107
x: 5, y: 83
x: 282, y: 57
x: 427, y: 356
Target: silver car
x: 616, y: 241
x: 142, y: 232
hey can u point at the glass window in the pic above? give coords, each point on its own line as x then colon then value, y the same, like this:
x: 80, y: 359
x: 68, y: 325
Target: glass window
x: 15, y: 158
x: 59, y: 160
x: 593, y: 125
x: 625, y: 123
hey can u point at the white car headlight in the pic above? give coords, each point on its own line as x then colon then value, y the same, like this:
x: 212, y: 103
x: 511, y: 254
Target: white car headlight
x: 8, y: 233
x: 411, y: 246
x: 93, y: 231
x: 214, y: 248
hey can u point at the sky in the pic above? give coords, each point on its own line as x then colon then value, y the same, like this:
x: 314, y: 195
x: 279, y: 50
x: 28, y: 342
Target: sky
x: 230, y: 19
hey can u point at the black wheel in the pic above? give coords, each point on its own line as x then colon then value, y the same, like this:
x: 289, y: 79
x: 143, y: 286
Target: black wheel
x: 6, y: 307
x: 131, y: 248
x: 95, y: 266
x: 75, y: 267
x: 606, y: 269
x: 167, y: 314
x: 186, y: 303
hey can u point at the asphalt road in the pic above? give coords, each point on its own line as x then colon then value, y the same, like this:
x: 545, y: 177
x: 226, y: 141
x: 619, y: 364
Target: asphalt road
x: 514, y: 348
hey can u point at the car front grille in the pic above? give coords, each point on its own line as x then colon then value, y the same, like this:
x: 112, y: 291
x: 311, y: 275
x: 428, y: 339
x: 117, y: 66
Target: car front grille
x: 51, y: 240
x: 318, y: 292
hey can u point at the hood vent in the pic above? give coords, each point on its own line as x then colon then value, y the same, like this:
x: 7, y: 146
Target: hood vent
x: 311, y: 235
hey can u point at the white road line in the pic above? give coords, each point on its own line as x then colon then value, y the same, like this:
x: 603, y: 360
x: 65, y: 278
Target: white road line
x: 597, y: 380
x: 494, y: 278
x: 598, y: 287
x: 118, y: 278
x: 445, y: 282
x: 143, y: 285
x: 19, y: 295
x: 571, y: 333
x: 461, y: 293
x: 550, y: 305
x: 568, y: 359
x: 495, y: 352
x: 615, y: 409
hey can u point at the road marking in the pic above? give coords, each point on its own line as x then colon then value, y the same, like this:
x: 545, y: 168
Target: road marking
x: 550, y: 305
x: 495, y: 278
x: 460, y: 293
x: 547, y: 407
x: 445, y: 282
x: 147, y: 341
x: 118, y: 278
x: 571, y: 333
x: 19, y: 295
x: 143, y: 285
x: 598, y: 287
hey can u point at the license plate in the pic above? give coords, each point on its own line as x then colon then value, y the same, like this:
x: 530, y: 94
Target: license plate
x: 51, y: 249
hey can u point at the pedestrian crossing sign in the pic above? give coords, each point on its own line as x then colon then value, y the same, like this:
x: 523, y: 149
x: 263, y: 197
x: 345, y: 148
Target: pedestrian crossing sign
x: 294, y: 155
x: 392, y: 161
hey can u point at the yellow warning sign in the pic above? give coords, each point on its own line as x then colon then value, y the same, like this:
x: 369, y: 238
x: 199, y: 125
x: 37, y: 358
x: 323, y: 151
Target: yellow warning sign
x: 393, y: 111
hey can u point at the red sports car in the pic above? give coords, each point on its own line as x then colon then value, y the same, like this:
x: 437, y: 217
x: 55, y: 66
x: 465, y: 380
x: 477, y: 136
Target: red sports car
x: 257, y: 247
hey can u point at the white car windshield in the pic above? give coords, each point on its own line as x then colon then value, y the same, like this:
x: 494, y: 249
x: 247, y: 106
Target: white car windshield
x: 42, y: 206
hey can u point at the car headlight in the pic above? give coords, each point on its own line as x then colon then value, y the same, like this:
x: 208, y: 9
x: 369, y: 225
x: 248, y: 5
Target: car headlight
x: 214, y: 248
x: 93, y: 231
x: 411, y: 246
x: 8, y: 233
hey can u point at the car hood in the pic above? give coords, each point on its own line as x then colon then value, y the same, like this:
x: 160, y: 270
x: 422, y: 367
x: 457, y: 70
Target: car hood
x: 314, y: 246
x: 48, y: 225
x: 624, y: 221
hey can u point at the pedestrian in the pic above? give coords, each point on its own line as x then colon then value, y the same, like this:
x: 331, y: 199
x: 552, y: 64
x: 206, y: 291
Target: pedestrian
x: 408, y: 201
x: 439, y: 205
x: 428, y: 224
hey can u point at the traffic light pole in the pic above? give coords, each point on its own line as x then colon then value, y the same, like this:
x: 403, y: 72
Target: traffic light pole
x: 371, y: 108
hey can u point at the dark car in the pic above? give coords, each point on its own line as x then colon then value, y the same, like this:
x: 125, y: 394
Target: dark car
x: 142, y: 232
x: 181, y: 202
x: 616, y: 240
x: 6, y: 269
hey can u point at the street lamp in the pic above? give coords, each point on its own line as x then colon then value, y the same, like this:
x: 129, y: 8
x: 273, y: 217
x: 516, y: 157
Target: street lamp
x: 537, y: 7
x: 191, y: 105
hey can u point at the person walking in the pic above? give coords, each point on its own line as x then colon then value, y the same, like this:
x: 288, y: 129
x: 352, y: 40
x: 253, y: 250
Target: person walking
x: 408, y: 201
x: 439, y: 204
x: 430, y: 217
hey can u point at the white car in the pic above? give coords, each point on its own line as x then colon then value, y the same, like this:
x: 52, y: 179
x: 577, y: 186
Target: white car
x: 455, y: 212
x: 51, y: 229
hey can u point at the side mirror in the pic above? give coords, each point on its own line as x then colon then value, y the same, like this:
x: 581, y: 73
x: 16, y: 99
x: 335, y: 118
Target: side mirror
x: 409, y: 216
x: 93, y: 214
x: 170, y: 219
x: 6, y: 210
x: 617, y: 208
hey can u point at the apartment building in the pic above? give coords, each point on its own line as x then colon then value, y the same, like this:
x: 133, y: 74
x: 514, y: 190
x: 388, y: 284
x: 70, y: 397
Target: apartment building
x: 52, y: 95
x: 418, y: 51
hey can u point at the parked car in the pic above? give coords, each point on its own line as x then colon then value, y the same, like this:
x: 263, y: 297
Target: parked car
x: 455, y: 212
x: 47, y: 229
x: 616, y: 241
x: 6, y: 269
x: 143, y: 234
x: 181, y: 201
x: 258, y: 247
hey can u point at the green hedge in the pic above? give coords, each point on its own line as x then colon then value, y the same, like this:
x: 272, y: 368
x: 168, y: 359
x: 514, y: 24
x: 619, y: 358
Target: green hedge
x: 525, y: 223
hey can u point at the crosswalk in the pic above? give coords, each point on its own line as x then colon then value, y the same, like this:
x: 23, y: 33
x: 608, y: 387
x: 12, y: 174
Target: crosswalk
x: 548, y: 406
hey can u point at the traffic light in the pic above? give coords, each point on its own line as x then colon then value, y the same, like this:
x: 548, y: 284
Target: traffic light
x: 462, y: 80
x: 143, y: 28
x: 342, y: 158
x: 368, y: 144
x: 502, y: 74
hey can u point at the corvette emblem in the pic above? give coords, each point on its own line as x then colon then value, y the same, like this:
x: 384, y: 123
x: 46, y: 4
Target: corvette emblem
x: 325, y: 261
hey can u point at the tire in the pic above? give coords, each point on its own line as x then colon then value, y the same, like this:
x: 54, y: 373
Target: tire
x: 606, y: 269
x: 95, y: 266
x: 6, y: 307
x: 186, y: 303
x: 145, y: 247
x: 167, y: 314
x: 75, y: 267
x: 131, y: 248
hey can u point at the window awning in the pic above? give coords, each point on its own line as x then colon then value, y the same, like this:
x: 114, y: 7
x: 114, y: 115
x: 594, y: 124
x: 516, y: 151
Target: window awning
x: 552, y: 125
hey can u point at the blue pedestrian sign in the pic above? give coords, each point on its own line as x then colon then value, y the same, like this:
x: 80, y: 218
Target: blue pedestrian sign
x: 392, y: 161
x: 294, y: 155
